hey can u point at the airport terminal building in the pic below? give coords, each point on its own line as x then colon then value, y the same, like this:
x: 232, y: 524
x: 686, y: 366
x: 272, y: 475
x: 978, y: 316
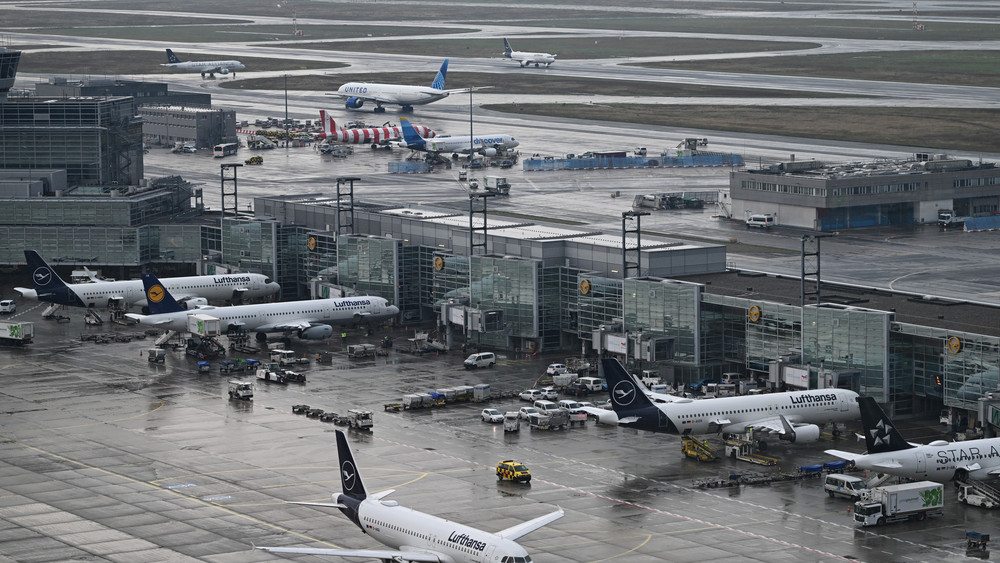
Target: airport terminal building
x: 826, y: 197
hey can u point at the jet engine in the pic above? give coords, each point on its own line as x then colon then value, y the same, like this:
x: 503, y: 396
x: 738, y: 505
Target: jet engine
x: 354, y: 103
x: 194, y: 303
x: 611, y: 418
x: 802, y: 434
x: 489, y: 151
x: 223, y: 71
x: 316, y: 332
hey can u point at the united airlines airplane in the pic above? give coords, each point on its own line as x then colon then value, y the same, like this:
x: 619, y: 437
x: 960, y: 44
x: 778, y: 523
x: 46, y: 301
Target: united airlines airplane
x: 204, y: 67
x: 413, y: 535
x: 191, y: 290
x: 310, y: 319
x: 793, y: 416
x: 357, y: 93
x: 938, y: 461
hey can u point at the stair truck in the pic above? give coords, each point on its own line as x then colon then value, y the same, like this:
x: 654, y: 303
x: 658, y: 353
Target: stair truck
x: 893, y: 503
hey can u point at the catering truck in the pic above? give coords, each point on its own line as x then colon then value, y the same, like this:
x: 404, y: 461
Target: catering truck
x: 17, y: 334
x: 892, y: 503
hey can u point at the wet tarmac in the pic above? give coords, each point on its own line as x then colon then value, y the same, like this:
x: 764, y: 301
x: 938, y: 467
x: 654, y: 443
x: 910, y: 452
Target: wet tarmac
x: 106, y: 456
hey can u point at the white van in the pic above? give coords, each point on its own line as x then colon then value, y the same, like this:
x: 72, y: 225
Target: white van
x: 592, y: 383
x: 760, y: 221
x: 546, y: 407
x: 8, y: 306
x: 481, y: 360
x: 844, y: 485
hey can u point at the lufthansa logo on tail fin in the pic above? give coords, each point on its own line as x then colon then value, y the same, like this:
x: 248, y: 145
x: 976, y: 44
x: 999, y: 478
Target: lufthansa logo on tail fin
x: 156, y: 293
x: 348, y: 472
x: 624, y: 393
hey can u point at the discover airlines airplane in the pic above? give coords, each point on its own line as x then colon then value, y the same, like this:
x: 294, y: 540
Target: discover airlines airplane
x: 486, y: 145
x: 357, y: 93
x: 191, y: 290
x: 938, y: 461
x: 527, y: 59
x: 204, y: 67
x: 794, y: 416
x: 374, y: 135
x: 412, y: 535
x: 311, y: 319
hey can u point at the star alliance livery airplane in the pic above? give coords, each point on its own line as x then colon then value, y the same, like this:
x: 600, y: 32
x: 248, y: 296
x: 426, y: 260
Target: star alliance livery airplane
x: 310, y: 319
x: 412, y: 535
x: 191, y: 290
x: 793, y: 416
x: 357, y: 93
x: 938, y: 461
x: 204, y: 67
x: 527, y: 59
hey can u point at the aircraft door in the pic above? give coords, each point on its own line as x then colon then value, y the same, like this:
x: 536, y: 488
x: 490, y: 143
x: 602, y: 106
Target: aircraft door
x: 921, y: 464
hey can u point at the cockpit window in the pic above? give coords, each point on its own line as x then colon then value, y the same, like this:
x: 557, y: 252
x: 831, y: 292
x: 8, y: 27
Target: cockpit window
x: 267, y: 280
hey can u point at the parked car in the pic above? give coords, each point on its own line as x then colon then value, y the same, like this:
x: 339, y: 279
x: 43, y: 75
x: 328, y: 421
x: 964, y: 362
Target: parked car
x: 603, y: 404
x: 481, y: 360
x: 550, y: 393
x: 571, y: 406
x: 531, y: 395
x: 8, y: 306
x: 492, y: 415
x: 546, y: 407
x: 555, y: 369
x: 527, y: 412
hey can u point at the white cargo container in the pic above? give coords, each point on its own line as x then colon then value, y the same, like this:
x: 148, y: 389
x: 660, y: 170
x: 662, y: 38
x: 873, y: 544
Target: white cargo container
x: 893, y: 503
x: 16, y: 333
x: 204, y: 325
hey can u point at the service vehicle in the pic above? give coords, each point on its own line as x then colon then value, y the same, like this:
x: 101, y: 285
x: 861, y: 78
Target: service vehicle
x: 8, y: 306
x: 481, y: 360
x: 204, y: 367
x: 17, y: 334
x: 156, y: 355
x: 550, y: 393
x: 513, y: 471
x: 844, y: 485
x: 760, y: 221
x: 531, y: 395
x: 549, y: 420
x: 293, y: 376
x: 491, y: 415
x: 511, y: 421
x: 360, y: 419
x: 271, y: 375
x: 978, y: 494
x: 282, y: 357
x: 242, y: 390
x: 571, y: 406
x: 893, y: 503
x: 254, y: 160
x: 314, y: 413
x: 698, y: 386
x: 555, y: 369
x: 300, y: 409
x: 546, y: 407
x: 592, y: 384
x: 526, y: 413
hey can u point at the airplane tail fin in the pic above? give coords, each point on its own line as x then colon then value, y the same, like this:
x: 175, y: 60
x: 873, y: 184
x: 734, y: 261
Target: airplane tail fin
x: 410, y: 135
x: 441, y: 75
x: 880, y: 433
x: 171, y: 57
x: 160, y: 300
x: 633, y: 407
x: 350, y: 478
x: 506, y: 48
x: 42, y: 275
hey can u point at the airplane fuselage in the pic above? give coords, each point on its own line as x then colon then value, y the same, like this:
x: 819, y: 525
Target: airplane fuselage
x: 938, y: 461
x: 525, y: 58
x: 734, y: 414
x: 462, y: 144
x: 207, y: 66
x: 266, y: 317
x: 392, y: 93
x: 98, y: 294
x: 400, y: 527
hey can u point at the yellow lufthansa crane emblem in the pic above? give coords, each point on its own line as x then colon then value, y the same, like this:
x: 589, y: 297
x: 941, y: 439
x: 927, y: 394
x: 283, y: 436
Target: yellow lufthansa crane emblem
x: 156, y: 293
x: 754, y: 313
x: 311, y: 243
x: 585, y: 287
x: 438, y: 263
x: 954, y: 344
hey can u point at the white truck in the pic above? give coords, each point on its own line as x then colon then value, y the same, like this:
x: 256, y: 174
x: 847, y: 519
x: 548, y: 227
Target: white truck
x: 893, y: 503
x: 359, y: 419
x: 17, y: 334
x: 948, y: 219
x: 242, y: 390
x: 283, y: 357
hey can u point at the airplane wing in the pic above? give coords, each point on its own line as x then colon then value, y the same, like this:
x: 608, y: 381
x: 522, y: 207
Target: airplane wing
x: 383, y: 554
x: 138, y: 317
x: 466, y: 90
x: 292, y: 324
x: 525, y: 528
x: 849, y: 456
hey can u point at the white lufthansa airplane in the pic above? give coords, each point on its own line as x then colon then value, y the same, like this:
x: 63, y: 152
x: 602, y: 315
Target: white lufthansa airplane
x: 310, y: 319
x: 527, y: 59
x: 486, y: 145
x: 355, y: 94
x: 204, y: 67
x: 793, y: 416
x: 413, y: 535
x: 938, y: 461
x: 191, y: 291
